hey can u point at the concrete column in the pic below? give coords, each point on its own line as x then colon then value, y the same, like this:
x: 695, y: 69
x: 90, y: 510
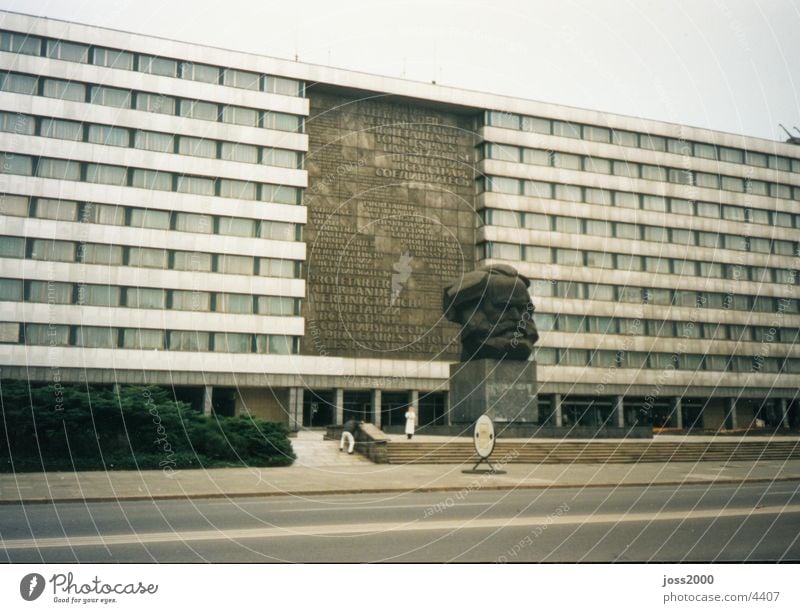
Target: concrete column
x: 619, y: 410
x: 783, y: 407
x: 557, y: 410
x: 295, y: 408
x: 339, y: 403
x: 376, y: 407
x: 677, y: 410
x: 730, y: 414
x: 447, y: 408
x: 208, y: 407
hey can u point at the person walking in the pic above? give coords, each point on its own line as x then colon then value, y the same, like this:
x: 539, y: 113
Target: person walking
x: 349, y: 434
x: 411, y: 418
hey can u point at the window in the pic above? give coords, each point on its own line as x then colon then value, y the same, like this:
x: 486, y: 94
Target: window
x: 598, y: 196
x: 147, y: 258
x: 281, y: 157
x: 535, y: 124
x: 108, y: 175
x: 509, y: 219
x: 71, y: 52
x: 684, y: 268
x: 107, y: 135
x: 13, y: 205
x: 155, y: 103
x: 625, y: 139
x: 281, y: 121
x: 503, y: 185
x: 242, y: 78
x: 726, y: 154
x: 536, y: 221
x: 283, y: 86
x: 504, y: 251
x: 707, y: 239
x: 243, y: 117
x: 626, y: 230
x: 626, y: 169
x: 64, y: 90
x: 597, y: 134
x: 199, y: 147
x: 236, y: 226
x: 626, y: 200
x: 596, y: 227
x: 46, y: 334
x: 58, y: 169
x: 753, y: 158
x: 759, y: 188
x: 150, y: 218
x: 234, y: 303
x: 706, y: 151
x: 655, y: 143
x: 708, y: 209
x: 243, y: 190
x: 657, y: 265
x: 278, y: 230
x: 761, y: 245
x: 17, y: 123
x: 733, y: 213
x: 571, y: 225
x: 52, y: 251
x: 20, y: 43
x: 111, y: 96
x: 784, y: 247
x: 60, y: 128
x: 782, y: 219
x: 280, y: 344
x: 197, y: 109
x: 538, y: 189
x: 504, y: 120
x: 537, y: 254
x: 235, y: 264
x: 733, y: 241
x: 15, y: 164
x: 151, y: 179
x: 680, y: 175
x: 281, y: 194
x: 237, y: 152
x: 11, y: 290
x: 567, y: 160
x: 686, y: 298
x: 269, y: 267
x: 600, y: 292
x: 145, y: 298
x: 779, y: 162
x: 780, y: 191
x: 570, y: 193
x: 99, y: 295
x: 654, y: 173
x: 18, y: 83
x: 659, y: 296
x: 194, y: 261
x: 61, y: 210
x: 760, y: 216
x: 505, y: 153
x: 629, y: 262
x: 569, y: 257
x: 49, y: 291
x: 154, y: 141
x: 681, y: 237
x: 704, y: 179
x: 112, y: 58
x: 93, y: 253
x: 598, y: 165
x: 599, y: 259
x: 158, y: 65
x: 188, y: 340
x: 655, y: 233
x: 568, y: 289
x: 654, y: 203
x: 195, y: 185
x: 567, y: 129
x: 199, y: 72
x: 232, y: 343
x: 184, y: 300
x: 193, y: 222
x: 136, y: 338
x: 732, y: 184
x: 275, y: 305
x: 536, y: 156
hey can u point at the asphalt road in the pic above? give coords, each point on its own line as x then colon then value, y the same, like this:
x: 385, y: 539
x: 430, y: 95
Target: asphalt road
x: 699, y: 523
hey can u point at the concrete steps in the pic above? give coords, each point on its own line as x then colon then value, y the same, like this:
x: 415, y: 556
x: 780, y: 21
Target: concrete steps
x: 591, y: 452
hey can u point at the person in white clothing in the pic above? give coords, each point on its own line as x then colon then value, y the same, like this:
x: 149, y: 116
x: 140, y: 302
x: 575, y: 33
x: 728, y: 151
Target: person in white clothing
x: 411, y: 418
x: 348, y: 435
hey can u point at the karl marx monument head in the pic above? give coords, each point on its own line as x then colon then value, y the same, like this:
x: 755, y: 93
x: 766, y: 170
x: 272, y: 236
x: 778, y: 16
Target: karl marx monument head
x: 495, y: 311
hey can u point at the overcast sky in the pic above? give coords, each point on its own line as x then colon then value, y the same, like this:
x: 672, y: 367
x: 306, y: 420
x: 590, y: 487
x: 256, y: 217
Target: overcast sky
x: 730, y: 65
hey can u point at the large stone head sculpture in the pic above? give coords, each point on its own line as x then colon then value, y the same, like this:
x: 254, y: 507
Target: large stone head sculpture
x: 495, y: 311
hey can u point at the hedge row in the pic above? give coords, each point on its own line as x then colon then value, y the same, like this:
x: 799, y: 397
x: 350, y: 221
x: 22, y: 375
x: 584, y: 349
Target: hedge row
x: 79, y: 427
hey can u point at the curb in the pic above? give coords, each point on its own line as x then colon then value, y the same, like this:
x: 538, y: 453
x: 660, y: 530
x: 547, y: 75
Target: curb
x: 384, y: 490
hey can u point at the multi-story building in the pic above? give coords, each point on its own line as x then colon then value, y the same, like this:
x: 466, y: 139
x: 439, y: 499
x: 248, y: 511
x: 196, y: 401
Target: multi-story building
x: 273, y: 237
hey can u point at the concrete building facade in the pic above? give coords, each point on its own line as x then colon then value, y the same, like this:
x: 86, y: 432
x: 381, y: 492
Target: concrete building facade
x: 271, y: 237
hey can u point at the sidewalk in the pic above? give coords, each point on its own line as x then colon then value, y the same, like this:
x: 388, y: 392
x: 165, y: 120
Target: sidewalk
x: 350, y: 474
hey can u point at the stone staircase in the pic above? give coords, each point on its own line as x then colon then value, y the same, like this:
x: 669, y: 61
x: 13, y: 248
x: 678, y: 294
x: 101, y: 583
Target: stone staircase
x: 680, y: 449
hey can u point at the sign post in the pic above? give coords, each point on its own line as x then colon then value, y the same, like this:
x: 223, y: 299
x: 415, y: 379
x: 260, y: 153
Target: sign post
x: 484, y: 439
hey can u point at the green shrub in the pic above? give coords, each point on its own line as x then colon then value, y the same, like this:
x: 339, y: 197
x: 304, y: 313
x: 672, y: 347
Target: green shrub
x: 71, y: 427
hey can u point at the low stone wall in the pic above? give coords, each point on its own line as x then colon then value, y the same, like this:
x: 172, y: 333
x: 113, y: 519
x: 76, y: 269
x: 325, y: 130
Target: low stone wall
x: 370, y: 441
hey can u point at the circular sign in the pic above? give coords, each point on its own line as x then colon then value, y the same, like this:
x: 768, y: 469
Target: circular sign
x: 484, y: 436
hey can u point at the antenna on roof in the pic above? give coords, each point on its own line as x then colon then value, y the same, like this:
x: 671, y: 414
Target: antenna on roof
x: 794, y: 140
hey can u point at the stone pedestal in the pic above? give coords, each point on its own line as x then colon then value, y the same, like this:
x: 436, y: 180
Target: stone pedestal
x: 504, y: 390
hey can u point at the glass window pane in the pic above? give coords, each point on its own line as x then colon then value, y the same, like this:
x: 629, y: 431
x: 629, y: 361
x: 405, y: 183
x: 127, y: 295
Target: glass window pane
x: 567, y: 160
x: 17, y: 123
x: 197, y: 109
x: 243, y: 190
x: 503, y: 120
x: 598, y: 196
x: 278, y: 230
x: 193, y: 222
x: 152, y: 179
x: 280, y: 344
x: 195, y: 185
x: 629, y: 262
x: 145, y: 298
x: 654, y: 203
x: 53, y: 251
x: 150, y: 218
x: 158, y: 65
x: 597, y: 134
x: 18, y: 83
x: 46, y: 334
x: 656, y: 143
x: 61, y: 210
x: 235, y: 264
x: 20, y: 43
x: 704, y: 150
x: 247, y: 117
x: 58, y: 169
x: 111, y: 96
x: 154, y: 141
x: 626, y: 200
x: 626, y: 169
x: 568, y: 224
x: 59, y: 128
x: 200, y: 72
x: 536, y: 124
x: 534, y: 253
x: 107, y: 135
x: 155, y: 103
x: 135, y: 338
x: 275, y: 305
x: 238, y: 152
x: 503, y: 185
x: 99, y: 295
x: 537, y: 189
x: 112, y: 58
x: 11, y: 290
x: 284, y: 158
x: 94, y: 253
x: 571, y: 193
x: 704, y: 179
x: 733, y: 184
x: 192, y: 260
x: 596, y: 227
x: 565, y: 128
x: 754, y: 158
x: 108, y: 175
x: 681, y: 207
x: 680, y: 175
x: 236, y: 226
x: 283, y: 86
x: 242, y: 78
x: 64, y: 90
x: 654, y: 173
x: 201, y: 147
x: 599, y: 165
x: 185, y: 300
x: 269, y: 267
x: 50, y: 291
x: 708, y: 209
x: 232, y: 343
x: 726, y: 154
x: 506, y: 153
x: 536, y: 221
x: 188, y: 340
x: 569, y: 257
x: 234, y: 303
x: 536, y: 156
x: 626, y: 139
x: 599, y: 259
x: 509, y: 219
x: 14, y: 205
x: 147, y: 258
